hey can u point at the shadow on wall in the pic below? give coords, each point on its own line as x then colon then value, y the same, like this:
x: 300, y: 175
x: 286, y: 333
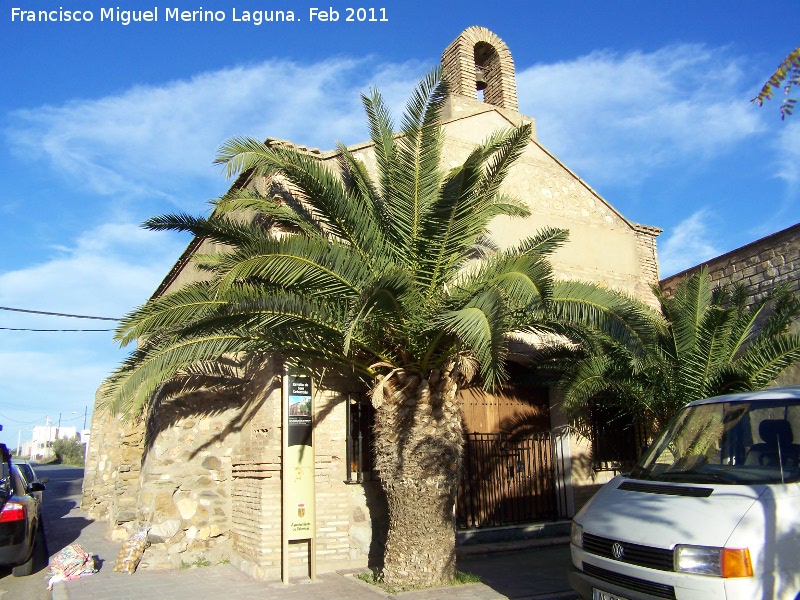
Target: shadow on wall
x: 229, y: 386
x: 379, y: 517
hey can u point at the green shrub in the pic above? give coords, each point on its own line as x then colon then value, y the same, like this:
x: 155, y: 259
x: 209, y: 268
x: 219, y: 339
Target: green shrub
x: 69, y: 451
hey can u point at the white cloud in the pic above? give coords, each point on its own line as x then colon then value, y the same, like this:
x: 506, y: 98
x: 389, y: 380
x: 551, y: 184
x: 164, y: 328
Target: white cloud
x: 688, y: 244
x: 154, y: 140
x: 615, y: 117
x: 788, y: 163
x: 105, y: 272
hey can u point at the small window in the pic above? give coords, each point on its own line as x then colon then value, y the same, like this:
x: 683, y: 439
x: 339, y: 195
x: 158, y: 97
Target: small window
x: 616, y: 437
x: 360, y: 421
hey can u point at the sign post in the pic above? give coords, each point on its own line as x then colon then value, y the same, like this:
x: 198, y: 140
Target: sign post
x: 297, y: 473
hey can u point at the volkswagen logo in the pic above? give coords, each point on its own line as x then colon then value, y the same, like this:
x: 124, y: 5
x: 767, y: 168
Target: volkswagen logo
x: 617, y: 550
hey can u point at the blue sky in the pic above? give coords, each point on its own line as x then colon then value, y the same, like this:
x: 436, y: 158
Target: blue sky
x: 103, y: 125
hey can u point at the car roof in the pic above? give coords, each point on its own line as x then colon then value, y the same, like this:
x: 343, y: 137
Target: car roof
x: 789, y: 392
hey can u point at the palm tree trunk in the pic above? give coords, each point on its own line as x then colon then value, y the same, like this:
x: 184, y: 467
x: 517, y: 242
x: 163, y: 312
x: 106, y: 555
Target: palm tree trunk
x: 418, y: 447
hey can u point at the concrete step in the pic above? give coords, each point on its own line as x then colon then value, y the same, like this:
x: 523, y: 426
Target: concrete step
x: 512, y: 537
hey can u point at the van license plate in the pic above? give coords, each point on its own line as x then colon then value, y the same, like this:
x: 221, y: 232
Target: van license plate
x: 601, y: 595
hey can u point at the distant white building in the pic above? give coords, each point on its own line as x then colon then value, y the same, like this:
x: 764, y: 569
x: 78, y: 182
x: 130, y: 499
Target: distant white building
x: 42, y: 440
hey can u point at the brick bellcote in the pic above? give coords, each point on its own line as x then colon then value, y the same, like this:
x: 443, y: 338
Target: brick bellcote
x: 479, y: 47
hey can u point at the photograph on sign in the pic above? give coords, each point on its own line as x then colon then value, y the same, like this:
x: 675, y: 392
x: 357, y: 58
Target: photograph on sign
x: 299, y: 410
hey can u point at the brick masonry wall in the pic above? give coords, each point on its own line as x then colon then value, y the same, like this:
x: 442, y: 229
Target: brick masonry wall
x: 648, y: 263
x: 458, y: 62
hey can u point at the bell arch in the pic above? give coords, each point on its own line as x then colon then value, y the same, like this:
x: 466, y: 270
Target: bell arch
x: 477, y: 53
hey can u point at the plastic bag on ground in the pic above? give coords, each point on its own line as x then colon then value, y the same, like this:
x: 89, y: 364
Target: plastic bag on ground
x: 70, y: 563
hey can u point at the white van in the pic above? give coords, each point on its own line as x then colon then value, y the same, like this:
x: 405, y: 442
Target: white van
x: 712, y: 510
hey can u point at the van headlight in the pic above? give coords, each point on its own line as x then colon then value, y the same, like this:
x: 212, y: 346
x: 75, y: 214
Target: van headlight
x: 576, y: 534
x: 717, y: 562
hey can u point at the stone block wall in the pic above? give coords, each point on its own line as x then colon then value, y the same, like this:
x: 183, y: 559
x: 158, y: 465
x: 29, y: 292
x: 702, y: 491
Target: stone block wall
x: 648, y: 263
x: 112, y: 470
x: 761, y: 266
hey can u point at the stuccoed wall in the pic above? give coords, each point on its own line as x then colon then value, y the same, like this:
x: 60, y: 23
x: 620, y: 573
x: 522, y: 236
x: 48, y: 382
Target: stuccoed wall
x: 603, y: 246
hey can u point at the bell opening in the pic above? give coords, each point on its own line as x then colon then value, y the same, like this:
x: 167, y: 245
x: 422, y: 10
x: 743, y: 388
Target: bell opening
x: 480, y: 78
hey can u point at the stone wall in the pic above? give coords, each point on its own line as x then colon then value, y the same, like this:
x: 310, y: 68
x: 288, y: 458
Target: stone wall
x: 761, y: 266
x: 113, y: 468
x: 204, y: 477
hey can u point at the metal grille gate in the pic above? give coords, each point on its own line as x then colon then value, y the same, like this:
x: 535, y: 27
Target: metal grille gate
x: 509, y: 481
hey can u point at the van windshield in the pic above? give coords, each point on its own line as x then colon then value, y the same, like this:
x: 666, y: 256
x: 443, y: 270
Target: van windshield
x: 738, y: 443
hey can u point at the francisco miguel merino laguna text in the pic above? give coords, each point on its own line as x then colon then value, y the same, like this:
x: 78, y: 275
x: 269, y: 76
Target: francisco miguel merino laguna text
x: 256, y: 17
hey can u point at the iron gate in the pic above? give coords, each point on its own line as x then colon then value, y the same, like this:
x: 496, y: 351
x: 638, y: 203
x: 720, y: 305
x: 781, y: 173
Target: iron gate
x: 507, y: 481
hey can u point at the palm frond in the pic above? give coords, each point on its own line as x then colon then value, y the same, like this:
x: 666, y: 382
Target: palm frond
x: 188, y: 304
x: 381, y: 130
x: 296, y: 262
x: 128, y: 391
x: 467, y: 203
x: 521, y: 280
x: 587, y: 379
x: 287, y: 212
x: 503, y: 150
x: 543, y: 243
x: 383, y: 303
x: 624, y: 319
x: 218, y: 229
x: 241, y: 154
x: 480, y: 327
x: 687, y: 308
x: 768, y: 358
x: 416, y: 175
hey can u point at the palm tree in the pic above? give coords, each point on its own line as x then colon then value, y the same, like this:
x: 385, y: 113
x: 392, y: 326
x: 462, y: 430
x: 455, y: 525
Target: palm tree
x: 392, y: 279
x: 712, y: 342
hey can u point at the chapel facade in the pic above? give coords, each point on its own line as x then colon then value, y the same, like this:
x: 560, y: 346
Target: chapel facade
x: 202, y: 473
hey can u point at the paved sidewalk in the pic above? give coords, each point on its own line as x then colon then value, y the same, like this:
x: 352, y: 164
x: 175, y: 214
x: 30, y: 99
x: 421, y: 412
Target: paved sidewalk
x: 529, y: 574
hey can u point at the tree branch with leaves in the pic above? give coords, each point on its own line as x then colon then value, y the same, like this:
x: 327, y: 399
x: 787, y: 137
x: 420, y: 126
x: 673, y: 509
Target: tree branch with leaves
x: 787, y: 75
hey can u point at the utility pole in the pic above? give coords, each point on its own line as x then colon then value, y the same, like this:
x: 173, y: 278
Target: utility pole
x: 85, y: 411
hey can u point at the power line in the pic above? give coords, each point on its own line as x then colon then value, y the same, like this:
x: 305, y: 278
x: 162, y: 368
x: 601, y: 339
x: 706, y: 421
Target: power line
x: 55, y: 314
x: 20, y: 422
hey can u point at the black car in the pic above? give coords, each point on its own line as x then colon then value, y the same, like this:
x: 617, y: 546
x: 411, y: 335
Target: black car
x: 21, y: 527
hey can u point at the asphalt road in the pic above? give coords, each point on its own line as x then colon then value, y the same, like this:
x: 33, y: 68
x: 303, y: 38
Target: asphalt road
x: 62, y: 494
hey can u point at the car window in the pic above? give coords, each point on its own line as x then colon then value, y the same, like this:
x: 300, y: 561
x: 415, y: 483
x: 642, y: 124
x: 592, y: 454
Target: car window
x: 739, y: 443
x: 18, y: 481
x: 27, y: 472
